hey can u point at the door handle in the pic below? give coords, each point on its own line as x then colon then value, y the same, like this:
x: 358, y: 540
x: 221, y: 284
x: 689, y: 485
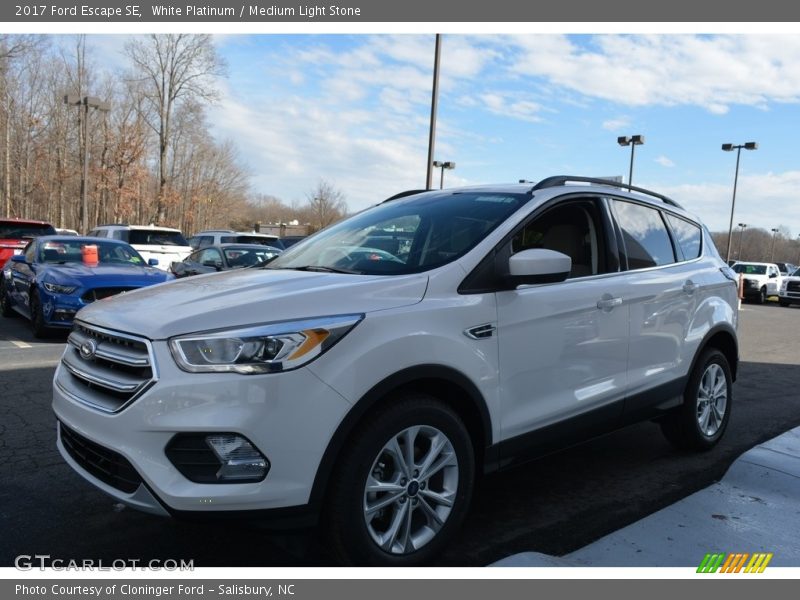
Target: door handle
x: 689, y: 287
x: 608, y: 302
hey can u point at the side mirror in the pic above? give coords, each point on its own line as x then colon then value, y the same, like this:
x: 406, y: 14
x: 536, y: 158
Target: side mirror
x: 18, y: 258
x: 538, y: 265
x: 773, y: 275
x: 152, y: 262
x: 212, y: 264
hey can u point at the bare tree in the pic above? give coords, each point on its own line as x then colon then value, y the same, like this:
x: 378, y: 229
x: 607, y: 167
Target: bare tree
x: 172, y: 68
x: 325, y: 205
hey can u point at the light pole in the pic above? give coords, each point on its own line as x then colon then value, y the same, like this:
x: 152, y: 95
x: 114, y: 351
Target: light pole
x: 738, y: 148
x: 85, y: 102
x: 443, y: 165
x: 632, y: 141
x: 434, y: 107
x: 774, y: 231
x: 741, y: 238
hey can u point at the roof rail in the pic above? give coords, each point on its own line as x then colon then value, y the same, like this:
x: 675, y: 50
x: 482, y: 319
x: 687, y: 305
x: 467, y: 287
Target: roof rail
x: 404, y: 194
x: 563, y: 179
x: 113, y: 225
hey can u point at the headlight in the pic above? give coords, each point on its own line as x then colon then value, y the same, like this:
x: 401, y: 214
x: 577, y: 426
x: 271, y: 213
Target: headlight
x: 261, y: 348
x: 59, y: 289
x: 783, y: 286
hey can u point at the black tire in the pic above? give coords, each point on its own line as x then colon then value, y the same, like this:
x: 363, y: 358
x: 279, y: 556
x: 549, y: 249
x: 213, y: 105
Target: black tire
x: 783, y: 303
x: 38, y: 326
x: 682, y: 428
x: 762, y: 296
x: 5, y: 302
x: 345, y: 521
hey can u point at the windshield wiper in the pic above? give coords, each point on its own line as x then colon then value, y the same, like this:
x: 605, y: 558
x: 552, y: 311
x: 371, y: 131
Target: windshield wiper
x: 321, y: 269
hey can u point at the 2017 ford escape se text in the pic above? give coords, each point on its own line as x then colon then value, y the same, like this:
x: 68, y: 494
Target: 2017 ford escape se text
x: 366, y: 377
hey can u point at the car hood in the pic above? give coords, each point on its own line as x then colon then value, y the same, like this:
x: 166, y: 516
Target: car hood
x: 102, y: 275
x: 250, y: 296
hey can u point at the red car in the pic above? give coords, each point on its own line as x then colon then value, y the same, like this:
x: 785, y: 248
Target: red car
x: 16, y: 233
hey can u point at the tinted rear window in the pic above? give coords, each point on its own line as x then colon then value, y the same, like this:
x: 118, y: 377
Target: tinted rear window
x: 156, y: 238
x: 647, y: 243
x: 16, y: 231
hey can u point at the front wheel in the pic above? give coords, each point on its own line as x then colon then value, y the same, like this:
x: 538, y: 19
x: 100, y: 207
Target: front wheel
x: 703, y: 417
x: 402, y: 488
x: 5, y: 301
x: 762, y: 296
x: 38, y: 324
x: 784, y: 303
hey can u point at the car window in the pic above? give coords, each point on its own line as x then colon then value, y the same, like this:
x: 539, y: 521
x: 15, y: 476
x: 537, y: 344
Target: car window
x: 60, y: 251
x: 210, y: 255
x: 748, y: 269
x: 571, y: 228
x: 156, y: 237
x: 14, y: 230
x: 435, y: 228
x: 30, y: 252
x: 647, y: 243
x: 687, y: 235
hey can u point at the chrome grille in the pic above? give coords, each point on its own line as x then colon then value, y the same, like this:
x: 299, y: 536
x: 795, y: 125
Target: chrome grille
x: 105, y: 369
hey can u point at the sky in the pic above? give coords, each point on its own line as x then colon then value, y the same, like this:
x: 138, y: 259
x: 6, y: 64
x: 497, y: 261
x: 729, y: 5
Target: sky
x: 354, y: 110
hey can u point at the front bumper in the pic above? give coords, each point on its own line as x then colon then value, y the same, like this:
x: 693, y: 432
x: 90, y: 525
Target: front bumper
x: 290, y: 417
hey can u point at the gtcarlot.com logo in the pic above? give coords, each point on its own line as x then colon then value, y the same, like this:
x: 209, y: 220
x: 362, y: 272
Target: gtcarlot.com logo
x: 735, y: 562
x: 28, y: 562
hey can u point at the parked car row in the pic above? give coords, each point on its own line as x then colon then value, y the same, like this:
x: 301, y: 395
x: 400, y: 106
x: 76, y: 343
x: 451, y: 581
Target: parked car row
x: 56, y: 276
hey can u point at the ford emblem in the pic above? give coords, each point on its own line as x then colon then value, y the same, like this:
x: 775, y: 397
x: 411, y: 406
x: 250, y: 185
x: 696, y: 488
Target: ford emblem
x: 88, y: 349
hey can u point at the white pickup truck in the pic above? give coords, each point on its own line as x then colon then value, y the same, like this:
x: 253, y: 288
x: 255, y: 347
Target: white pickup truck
x: 761, y: 280
x: 789, y: 292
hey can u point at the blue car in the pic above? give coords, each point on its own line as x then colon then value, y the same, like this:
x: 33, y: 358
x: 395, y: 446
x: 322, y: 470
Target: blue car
x: 56, y: 276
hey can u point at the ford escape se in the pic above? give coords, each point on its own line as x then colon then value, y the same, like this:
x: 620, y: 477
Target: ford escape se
x: 369, y: 374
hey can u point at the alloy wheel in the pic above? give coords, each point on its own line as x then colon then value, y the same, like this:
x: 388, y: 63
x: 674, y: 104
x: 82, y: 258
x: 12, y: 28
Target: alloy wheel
x: 410, y: 490
x: 712, y: 399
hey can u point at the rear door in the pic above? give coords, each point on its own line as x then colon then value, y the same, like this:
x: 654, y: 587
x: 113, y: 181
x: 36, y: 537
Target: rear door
x: 663, y: 290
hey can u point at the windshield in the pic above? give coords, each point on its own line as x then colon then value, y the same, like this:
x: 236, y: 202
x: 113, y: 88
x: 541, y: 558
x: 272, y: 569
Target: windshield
x: 247, y: 239
x: 796, y: 273
x: 156, y: 238
x: 404, y: 236
x: 17, y: 231
x: 249, y: 257
x: 107, y: 253
x: 750, y: 269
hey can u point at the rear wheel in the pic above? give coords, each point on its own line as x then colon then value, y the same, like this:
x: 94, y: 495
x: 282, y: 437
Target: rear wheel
x: 5, y: 301
x: 402, y: 488
x: 702, y: 419
x: 38, y: 325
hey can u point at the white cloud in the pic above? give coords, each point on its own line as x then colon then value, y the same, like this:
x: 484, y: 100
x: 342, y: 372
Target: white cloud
x: 763, y: 200
x: 511, y: 105
x: 714, y: 72
x: 664, y: 161
x: 616, y: 124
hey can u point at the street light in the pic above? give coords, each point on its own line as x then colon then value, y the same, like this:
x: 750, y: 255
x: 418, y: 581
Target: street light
x: 86, y: 102
x: 774, y: 231
x: 738, y: 148
x: 741, y: 237
x: 632, y: 141
x: 443, y: 165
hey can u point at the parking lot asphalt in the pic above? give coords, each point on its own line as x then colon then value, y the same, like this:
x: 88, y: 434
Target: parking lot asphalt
x: 554, y: 505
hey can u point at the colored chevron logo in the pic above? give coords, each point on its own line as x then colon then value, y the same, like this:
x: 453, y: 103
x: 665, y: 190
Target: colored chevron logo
x: 734, y: 562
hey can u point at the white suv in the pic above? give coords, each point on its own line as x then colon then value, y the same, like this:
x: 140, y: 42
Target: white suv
x: 370, y: 374
x: 163, y: 244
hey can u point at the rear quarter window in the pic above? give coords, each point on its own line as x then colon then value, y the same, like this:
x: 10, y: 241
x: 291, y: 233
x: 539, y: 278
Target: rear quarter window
x: 687, y: 235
